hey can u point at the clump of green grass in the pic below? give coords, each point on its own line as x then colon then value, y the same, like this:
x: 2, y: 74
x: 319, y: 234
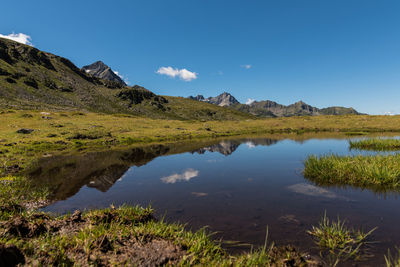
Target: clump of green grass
x: 380, y: 173
x: 376, y: 144
x: 337, y: 242
x: 393, y: 260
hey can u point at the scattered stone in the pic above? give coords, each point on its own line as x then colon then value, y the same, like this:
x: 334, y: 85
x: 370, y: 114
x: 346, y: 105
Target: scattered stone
x: 9, y: 80
x: 57, y: 125
x: 47, y: 118
x: 13, y: 168
x: 25, y: 131
x: 10, y: 144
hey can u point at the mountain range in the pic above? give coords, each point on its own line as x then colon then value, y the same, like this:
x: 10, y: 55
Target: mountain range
x: 267, y: 108
x: 33, y: 79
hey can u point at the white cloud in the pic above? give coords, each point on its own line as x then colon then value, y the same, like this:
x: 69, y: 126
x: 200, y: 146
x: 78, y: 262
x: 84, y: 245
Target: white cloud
x: 185, y: 176
x: 121, y: 76
x: 246, y: 66
x: 183, y: 74
x: 18, y: 37
x: 390, y: 113
x: 250, y: 101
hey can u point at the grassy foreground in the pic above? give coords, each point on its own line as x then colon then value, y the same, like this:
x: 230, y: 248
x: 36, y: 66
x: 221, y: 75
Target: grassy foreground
x: 113, y: 237
x: 376, y: 144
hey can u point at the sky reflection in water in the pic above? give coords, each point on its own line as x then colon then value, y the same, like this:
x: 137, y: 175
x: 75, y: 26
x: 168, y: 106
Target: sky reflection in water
x: 238, y: 187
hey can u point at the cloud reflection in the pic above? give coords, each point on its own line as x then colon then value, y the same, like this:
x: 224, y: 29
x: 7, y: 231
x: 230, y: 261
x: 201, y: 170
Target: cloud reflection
x: 250, y: 144
x: 185, y: 176
x: 315, y: 191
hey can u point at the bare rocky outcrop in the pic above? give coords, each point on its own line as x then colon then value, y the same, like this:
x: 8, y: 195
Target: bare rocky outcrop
x: 100, y: 70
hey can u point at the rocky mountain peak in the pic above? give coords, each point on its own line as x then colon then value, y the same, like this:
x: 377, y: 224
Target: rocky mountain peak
x: 224, y: 100
x: 198, y: 97
x: 100, y: 70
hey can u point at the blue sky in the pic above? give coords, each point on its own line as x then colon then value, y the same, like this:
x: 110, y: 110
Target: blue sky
x: 342, y: 52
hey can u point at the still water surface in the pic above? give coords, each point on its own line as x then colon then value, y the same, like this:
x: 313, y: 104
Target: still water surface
x: 236, y: 187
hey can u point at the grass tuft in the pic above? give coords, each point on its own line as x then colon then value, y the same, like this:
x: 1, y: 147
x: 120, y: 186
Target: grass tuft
x: 376, y: 144
x: 393, y: 260
x: 337, y: 242
x: 380, y: 173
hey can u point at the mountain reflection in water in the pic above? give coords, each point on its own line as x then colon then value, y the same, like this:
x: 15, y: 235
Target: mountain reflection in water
x: 64, y: 176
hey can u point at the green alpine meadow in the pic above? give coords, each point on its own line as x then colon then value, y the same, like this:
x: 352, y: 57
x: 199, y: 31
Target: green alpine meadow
x: 199, y: 133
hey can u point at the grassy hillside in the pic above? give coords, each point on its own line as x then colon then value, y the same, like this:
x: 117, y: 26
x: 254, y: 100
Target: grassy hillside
x: 33, y: 79
x: 338, y: 111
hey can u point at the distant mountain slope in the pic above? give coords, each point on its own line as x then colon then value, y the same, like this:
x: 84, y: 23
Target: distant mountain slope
x: 338, y: 111
x: 33, y: 79
x: 100, y: 70
x: 269, y: 108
